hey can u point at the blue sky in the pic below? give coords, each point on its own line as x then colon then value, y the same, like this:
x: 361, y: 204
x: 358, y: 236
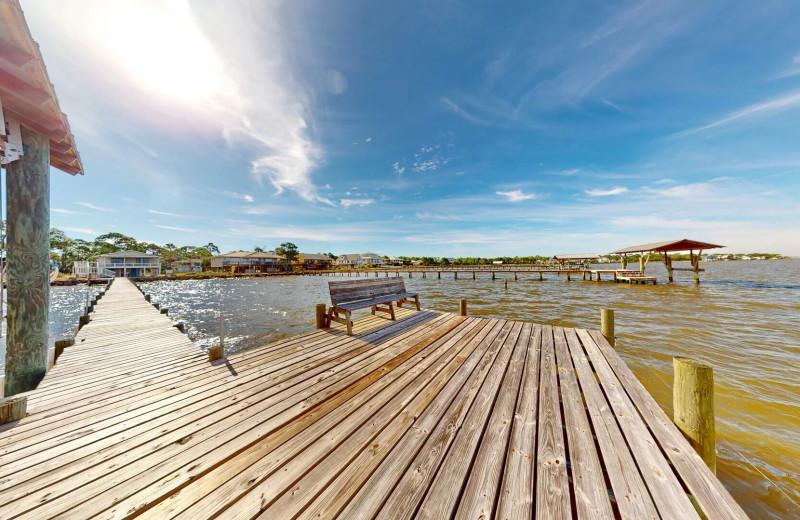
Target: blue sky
x: 449, y: 128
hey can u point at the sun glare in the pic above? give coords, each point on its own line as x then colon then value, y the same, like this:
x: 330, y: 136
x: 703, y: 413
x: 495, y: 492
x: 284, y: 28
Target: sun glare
x: 159, y: 46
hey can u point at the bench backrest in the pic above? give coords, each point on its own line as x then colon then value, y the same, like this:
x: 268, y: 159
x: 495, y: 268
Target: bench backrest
x: 357, y: 290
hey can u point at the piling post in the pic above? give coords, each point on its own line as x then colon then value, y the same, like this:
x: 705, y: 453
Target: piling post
x: 462, y: 307
x: 13, y: 409
x: 492, y: 275
x: 540, y: 276
x: 321, y: 316
x: 693, y: 406
x: 215, y: 353
x: 455, y: 275
x: 439, y: 275
x: 505, y: 283
x: 27, y: 263
x: 515, y: 276
x: 607, y: 325
x: 473, y: 275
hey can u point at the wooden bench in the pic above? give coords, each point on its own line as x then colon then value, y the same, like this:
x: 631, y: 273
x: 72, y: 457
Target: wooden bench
x: 633, y: 276
x: 347, y: 296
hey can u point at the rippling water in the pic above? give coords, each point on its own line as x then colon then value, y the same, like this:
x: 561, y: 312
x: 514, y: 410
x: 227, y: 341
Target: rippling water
x: 744, y: 319
x: 66, y: 305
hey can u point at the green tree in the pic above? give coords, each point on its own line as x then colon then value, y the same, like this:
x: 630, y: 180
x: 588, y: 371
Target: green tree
x: 214, y: 250
x: 288, y: 251
x: 258, y: 249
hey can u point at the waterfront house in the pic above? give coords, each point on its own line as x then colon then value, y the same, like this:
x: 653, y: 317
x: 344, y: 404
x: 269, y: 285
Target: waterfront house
x: 190, y: 265
x: 314, y: 261
x: 371, y: 259
x: 359, y: 260
x: 247, y: 262
x: 130, y: 263
x: 353, y: 260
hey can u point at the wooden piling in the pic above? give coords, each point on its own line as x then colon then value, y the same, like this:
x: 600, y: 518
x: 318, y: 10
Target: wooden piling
x: 462, y: 307
x: 693, y: 406
x: 607, y: 325
x: 321, y: 315
x: 13, y: 409
x: 505, y: 283
x: 27, y: 263
x: 215, y: 353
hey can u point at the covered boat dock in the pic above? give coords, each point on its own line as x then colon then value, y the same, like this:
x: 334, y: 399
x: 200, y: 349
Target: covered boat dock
x: 664, y: 248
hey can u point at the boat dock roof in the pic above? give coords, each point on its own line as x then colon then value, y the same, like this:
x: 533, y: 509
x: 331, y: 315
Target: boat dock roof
x: 431, y: 416
x: 683, y: 244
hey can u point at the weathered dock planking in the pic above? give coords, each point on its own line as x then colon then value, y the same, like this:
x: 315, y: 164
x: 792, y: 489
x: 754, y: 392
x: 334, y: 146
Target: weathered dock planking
x: 430, y: 416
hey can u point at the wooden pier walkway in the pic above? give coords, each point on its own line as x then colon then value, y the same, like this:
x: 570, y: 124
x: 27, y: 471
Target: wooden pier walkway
x: 432, y: 416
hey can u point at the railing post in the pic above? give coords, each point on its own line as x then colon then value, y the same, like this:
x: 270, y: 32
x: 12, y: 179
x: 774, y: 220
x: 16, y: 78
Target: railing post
x: 693, y: 406
x: 462, y: 307
x: 320, y: 316
x: 215, y: 353
x: 607, y: 325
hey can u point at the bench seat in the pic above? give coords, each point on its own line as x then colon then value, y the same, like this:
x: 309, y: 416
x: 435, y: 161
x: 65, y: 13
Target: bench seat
x: 363, y: 304
x: 379, y: 295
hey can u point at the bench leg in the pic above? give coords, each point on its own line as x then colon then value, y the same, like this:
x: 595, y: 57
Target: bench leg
x: 416, y: 300
x: 400, y: 303
x: 374, y: 308
x: 391, y: 310
x: 349, y: 323
x: 329, y: 320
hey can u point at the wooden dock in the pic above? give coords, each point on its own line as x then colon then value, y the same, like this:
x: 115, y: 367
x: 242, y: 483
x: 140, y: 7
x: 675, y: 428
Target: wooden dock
x: 430, y: 416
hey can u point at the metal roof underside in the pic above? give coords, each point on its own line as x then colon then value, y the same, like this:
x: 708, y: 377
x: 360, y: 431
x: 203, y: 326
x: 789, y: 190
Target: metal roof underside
x: 26, y: 92
x: 683, y: 244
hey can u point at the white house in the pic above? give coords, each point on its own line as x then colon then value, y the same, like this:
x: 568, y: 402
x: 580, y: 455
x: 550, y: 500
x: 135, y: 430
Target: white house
x: 353, y: 260
x: 359, y: 260
x: 130, y: 263
x: 371, y: 259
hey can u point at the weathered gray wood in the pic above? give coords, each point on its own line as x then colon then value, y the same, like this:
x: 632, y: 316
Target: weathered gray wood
x: 552, y: 489
x: 28, y: 268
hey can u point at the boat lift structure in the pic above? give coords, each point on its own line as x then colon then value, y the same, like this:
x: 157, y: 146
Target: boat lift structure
x: 663, y: 249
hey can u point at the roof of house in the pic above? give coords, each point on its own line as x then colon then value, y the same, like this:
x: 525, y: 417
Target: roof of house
x: 578, y: 256
x: 248, y: 254
x: 315, y: 256
x: 354, y: 256
x: 683, y: 244
x: 129, y: 254
x: 28, y: 96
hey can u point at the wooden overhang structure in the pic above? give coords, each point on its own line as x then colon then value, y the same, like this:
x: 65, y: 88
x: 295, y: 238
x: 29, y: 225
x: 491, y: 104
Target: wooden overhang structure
x: 571, y: 259
x: 663, y: 249
x: 35, y: 135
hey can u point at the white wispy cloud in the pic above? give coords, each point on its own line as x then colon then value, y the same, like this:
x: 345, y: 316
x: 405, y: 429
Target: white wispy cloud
x: 95, y: 207
x: 245, y: 197
x: 684, y: 191
x: 168, y: 214
x: 346, y: 203
x: 63, y: 211
x: 455, y: 108
x: 368, y: 140
x: 225, y: 69
x: 618, y: 190
x: 397, y: 169
x: 176, y: 228
x: 516, y: 195
x: 785, y: 102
